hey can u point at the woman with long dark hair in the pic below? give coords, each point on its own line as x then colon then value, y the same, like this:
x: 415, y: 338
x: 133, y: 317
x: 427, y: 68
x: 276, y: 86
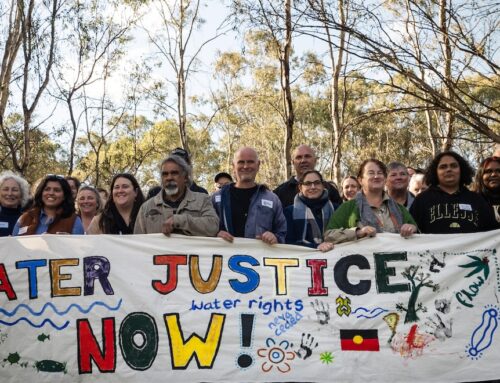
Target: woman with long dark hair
x: 121, y: 208
x: 53, y: 210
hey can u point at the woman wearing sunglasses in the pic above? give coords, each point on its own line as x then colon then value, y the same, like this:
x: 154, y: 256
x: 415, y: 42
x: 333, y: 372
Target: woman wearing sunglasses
x: 53, y: 210
x: 309, y: 214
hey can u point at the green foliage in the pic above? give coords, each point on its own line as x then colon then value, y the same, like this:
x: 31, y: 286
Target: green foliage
x: 44, y: 158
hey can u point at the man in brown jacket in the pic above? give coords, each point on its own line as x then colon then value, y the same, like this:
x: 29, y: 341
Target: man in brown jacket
x: 176, y: 209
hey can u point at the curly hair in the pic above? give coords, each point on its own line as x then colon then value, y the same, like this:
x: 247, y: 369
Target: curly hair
x: 67, y: 205
x: 466, y: 171
x: 23, y: 185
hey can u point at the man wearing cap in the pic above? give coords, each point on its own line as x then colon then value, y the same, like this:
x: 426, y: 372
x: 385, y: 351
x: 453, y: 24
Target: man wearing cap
x: 222, y: 179
x: 303, y: 159
x: 247, y: 209
x: 186, y: 157
x: 176, y: 209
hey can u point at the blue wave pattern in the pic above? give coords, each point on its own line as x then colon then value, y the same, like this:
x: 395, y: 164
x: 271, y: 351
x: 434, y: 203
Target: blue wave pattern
x: 56, y: 311
x: 24, y: 319
x: 369, y: 314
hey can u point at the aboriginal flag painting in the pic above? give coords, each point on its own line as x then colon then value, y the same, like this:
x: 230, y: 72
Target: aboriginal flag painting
x: 359, y: 340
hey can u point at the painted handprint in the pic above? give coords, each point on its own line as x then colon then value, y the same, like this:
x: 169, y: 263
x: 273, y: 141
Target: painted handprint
x: 306, y: 347
x: 322, y: 311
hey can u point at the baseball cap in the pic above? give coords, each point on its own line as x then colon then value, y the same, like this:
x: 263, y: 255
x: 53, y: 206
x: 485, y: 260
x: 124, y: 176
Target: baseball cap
x: 183, y: 154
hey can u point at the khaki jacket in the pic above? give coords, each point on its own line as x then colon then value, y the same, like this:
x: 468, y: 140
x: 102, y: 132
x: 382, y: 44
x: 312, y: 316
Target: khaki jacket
x: 194, y: 216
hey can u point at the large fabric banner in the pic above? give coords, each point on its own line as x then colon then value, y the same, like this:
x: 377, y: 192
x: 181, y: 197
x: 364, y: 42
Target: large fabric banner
x: 151, y: 308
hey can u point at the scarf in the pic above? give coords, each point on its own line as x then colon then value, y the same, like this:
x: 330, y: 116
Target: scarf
x: 367, y: 216
x: 303, y: 217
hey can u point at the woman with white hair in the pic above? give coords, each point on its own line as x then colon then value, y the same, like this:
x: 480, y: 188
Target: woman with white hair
x: 14, y: 196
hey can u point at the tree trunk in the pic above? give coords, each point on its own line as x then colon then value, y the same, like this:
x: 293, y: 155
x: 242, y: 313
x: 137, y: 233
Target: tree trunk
x: 335, y: 101
x: 181, y: 84
x: 289, y: 116
x: 430, y: 132
x: 447, y: 142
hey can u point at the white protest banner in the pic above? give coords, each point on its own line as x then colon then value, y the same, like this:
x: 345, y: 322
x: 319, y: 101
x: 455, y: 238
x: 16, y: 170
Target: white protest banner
x: 151, y: 308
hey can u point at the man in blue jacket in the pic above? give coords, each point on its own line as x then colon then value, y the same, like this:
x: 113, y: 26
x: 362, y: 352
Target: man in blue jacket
x: 247, y: 209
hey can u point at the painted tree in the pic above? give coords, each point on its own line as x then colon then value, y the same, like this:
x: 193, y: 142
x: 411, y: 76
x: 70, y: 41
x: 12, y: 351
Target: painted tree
x: 418, y: 280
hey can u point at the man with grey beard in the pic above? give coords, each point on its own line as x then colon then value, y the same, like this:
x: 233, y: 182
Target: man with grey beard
x: 176, y: 209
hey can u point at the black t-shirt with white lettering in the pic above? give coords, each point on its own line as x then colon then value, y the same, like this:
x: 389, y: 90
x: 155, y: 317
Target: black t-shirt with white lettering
x: 437, y: 212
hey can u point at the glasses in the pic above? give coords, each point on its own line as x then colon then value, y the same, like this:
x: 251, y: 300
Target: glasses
x: 310, y: 183
x: 491, y: 171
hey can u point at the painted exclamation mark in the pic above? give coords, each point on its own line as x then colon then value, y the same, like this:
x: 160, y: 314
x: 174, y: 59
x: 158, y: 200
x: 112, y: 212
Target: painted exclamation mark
x: 247, y: 320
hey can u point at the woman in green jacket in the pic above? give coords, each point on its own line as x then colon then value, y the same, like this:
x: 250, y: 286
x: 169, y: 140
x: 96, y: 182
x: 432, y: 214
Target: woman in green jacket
x: 372, y: 211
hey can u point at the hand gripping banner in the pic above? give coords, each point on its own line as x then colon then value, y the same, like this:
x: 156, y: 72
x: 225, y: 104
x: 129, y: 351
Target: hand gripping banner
x: 150, y: 308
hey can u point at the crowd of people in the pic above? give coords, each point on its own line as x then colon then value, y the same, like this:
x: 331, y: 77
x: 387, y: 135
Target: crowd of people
x: 304, y: 210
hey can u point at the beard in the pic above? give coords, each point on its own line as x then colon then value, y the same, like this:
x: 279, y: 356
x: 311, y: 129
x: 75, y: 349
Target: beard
x: 171, y: 188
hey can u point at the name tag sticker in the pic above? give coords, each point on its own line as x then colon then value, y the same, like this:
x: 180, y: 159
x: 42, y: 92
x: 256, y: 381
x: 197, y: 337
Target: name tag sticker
x: 465, y: 206
x: 23, y: 230
x: 267, y: 203
x: 4, y: 225
x: 217, y: 198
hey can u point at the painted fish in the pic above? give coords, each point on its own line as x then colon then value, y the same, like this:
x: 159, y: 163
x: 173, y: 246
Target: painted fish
x: 42, y: 337
x: 50, y: 366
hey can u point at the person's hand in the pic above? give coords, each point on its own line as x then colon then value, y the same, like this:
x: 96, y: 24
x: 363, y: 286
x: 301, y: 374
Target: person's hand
x: 407, y: 230
x: 366, y: 231
x: 268, y: 237
x: 325, y: 246
x: 225, y: 236
x: 168, y: 226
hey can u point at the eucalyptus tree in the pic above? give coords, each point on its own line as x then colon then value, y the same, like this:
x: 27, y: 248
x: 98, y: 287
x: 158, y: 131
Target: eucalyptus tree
x: 96, y: 34
x: 29, y: 26
x: 275, y: 19
x: 457, y: 41
x: 176, y: 45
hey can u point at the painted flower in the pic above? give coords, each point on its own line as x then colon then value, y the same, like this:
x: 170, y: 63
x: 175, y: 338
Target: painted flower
x: 276, y: 355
